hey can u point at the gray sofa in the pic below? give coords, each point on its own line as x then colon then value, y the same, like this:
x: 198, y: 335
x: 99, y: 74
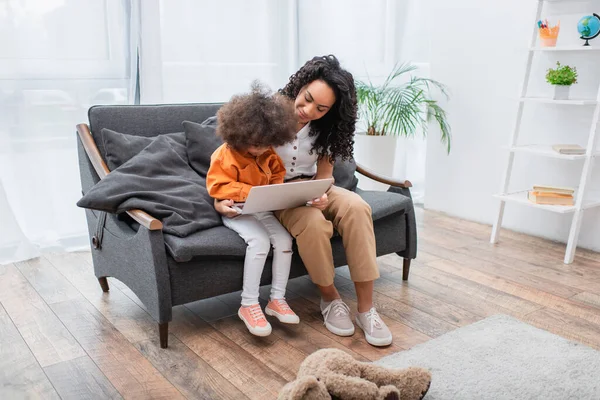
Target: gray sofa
x: 132, y: 247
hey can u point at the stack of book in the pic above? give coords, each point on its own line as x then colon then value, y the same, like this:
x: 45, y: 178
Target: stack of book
x: 552, y: 195
x: 570, y: 149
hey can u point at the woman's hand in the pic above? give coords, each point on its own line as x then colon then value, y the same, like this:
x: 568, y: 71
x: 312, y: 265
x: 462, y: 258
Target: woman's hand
x: 223, y: 207
x: 320, y: 203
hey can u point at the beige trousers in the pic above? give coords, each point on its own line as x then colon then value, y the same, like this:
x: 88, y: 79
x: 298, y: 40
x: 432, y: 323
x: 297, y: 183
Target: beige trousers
x: 351, y: 216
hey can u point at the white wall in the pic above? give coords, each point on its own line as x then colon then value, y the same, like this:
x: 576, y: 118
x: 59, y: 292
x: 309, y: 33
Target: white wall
x: 484, y: 66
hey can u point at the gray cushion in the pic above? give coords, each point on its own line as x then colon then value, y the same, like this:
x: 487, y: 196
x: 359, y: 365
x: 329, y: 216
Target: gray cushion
x: 217, y: 241
x: 201, y: 141
x: 160, y: 182
x: 121, y: 147
x: 384, y: 203
x: 146, y: 120
x: 222, y: 241
x: 344, y: 174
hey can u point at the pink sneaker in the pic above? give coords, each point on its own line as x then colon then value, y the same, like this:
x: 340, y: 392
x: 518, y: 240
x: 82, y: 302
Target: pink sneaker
x: 255, y: 320
x: 280, y: 309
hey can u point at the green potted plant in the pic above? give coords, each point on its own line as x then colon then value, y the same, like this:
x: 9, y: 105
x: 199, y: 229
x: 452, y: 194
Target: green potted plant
x: 561, y: 77
x: 398, y: 109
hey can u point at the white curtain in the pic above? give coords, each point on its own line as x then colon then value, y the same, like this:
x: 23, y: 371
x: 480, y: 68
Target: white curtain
x: 59, y: 57
x: 206, y: 50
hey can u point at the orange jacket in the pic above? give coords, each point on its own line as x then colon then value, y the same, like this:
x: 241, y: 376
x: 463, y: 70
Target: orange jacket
x: 232, y: 174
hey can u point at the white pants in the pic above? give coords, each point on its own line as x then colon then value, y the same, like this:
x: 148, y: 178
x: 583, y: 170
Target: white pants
x: 260, y: 231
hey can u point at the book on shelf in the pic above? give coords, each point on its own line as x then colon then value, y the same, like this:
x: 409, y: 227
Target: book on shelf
x: 550, y: 198
x: 553, y: 189
x: 570, y: 149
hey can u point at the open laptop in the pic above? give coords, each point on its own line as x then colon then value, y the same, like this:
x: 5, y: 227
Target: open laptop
x: 282, y: 196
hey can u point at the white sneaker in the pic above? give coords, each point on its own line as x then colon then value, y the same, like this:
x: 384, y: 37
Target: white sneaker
x: 337, y: 317
x: 376, y: 331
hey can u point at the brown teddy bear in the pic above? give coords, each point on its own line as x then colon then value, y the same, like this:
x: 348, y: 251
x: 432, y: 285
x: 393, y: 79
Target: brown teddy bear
x: 333, y: 374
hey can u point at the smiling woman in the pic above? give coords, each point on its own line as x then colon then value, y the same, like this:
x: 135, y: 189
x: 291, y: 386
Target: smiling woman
x: 325, y: 103
x: 324, y: 95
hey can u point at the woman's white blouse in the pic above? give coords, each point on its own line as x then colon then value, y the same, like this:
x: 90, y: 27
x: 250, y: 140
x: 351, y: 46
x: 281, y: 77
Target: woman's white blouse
x: 296, y: 155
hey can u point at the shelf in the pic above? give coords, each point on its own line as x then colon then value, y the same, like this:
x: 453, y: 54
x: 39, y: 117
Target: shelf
x: 564, y: 1
x: 573, y: 102
x: 566, y: 48
x: 547, y: 151
x: 521, y: 198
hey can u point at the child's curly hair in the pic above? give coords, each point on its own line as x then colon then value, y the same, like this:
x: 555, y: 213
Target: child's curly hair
x: 258, y: 118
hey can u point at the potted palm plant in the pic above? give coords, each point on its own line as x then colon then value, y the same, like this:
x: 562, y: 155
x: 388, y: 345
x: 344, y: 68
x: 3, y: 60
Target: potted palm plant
x: 401, y: 107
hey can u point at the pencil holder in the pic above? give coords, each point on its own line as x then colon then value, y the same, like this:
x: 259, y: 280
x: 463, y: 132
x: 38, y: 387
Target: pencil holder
x: 548, y: 41
x: 549, y: 35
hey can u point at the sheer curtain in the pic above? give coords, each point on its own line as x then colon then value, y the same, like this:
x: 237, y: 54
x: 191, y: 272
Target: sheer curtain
x: 205, y: 51
x: 59, y: 57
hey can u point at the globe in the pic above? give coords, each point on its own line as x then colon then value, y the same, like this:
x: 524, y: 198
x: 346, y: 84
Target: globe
x: 589, y: 27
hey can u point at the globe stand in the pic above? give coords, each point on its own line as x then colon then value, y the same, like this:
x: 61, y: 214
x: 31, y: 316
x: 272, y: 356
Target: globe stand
x: 588, y: 38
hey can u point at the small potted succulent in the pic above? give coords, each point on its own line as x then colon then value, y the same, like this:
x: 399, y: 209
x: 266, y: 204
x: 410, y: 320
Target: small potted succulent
x: 562, y: 77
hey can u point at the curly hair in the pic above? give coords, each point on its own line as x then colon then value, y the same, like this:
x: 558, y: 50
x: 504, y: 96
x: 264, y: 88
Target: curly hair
x: 258, y: 118
x: 335, y: 130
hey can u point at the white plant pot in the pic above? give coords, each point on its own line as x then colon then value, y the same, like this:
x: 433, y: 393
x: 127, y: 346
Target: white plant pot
x: 379, y: 154
x: 561, y: 92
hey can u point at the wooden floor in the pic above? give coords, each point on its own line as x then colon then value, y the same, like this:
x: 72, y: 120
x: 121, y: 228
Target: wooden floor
x: 61, y: 337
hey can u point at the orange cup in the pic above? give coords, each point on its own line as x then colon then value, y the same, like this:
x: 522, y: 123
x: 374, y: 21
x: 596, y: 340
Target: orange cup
x: 548, y: 41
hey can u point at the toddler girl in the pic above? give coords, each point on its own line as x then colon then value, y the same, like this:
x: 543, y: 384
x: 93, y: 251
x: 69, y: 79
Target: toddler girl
x: 250, y: 125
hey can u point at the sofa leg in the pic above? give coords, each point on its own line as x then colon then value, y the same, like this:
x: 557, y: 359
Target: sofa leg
x: 103, y: 284
x: 405, y: 269
x: 163, y: 332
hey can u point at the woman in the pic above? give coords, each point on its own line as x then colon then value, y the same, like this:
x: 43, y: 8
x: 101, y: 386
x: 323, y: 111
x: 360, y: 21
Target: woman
x: 325, y: 103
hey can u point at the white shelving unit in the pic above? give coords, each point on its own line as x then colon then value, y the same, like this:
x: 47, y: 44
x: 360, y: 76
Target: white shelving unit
x: 583, y: 200
x: 547, y: 151
x: 570, y: 102
x: 565, y: 48
x: 520, y: 197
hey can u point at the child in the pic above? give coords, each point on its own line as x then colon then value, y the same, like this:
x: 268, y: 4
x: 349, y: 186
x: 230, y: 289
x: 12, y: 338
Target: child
x: 250, y: 125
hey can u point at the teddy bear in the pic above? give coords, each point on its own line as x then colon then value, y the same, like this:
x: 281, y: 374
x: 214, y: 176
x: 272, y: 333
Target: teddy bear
x: 333, y: 374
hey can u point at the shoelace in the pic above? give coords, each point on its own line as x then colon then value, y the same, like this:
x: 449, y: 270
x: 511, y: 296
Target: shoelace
x: 283, y: 305
x: 374, y: 320
x: 338, y: 307
x: 256, y: 313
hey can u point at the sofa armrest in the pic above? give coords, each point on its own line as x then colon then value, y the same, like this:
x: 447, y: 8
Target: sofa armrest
x: 382, y: 179
x: 411, y: 224
x: 142, y: 217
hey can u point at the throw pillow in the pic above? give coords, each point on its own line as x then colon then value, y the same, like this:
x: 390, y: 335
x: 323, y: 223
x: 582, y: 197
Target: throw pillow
x: 159, y: 181
x: 344, y: 174
x: 121, y: 147
x: 201, y: 142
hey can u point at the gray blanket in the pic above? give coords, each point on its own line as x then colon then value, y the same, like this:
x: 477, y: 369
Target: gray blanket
x: 159, y: 181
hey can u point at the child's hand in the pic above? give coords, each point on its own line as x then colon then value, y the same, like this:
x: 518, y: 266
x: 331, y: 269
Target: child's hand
x: 223, y: 207
x: 320, y: 203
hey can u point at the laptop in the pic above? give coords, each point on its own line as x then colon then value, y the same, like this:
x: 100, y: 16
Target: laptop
x: 282, y: 196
